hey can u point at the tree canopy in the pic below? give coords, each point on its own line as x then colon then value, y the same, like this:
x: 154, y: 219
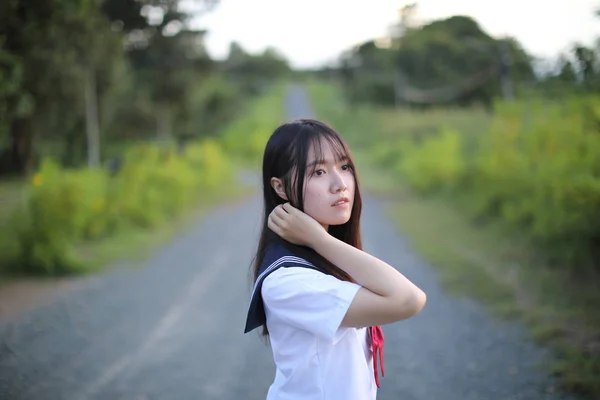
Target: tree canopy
x: 75, y: 71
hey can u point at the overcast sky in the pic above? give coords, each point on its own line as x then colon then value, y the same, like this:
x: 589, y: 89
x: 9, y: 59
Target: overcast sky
x: 312, y: 32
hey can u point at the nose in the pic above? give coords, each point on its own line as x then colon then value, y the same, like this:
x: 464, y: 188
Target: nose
x: 338, y: 184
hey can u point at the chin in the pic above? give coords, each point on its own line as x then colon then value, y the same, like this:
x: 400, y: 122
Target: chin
x: 336, y: 220
x: 330, y: 217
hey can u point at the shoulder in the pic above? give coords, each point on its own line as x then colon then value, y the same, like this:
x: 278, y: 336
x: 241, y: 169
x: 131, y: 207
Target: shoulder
x: 295, y: 271
x: 299, y: 282
x: 308, y: 299
x: 296, y: 276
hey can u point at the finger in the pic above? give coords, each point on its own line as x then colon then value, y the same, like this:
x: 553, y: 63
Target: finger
x: 273, y: 226
x: 277, y: 220
x: 288, y: 208
x: 280, y: 211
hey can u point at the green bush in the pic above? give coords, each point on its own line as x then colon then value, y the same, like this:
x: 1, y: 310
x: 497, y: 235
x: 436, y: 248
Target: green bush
x: 434, y: 163
x: 67, y: 207
x: 539, y: 167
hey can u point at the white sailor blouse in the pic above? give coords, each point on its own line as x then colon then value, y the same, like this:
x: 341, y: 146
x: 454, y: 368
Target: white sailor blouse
x: 277, y: 256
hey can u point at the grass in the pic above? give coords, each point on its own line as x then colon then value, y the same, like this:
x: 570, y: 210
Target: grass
x: 482, y: 259
x: 498, y: 267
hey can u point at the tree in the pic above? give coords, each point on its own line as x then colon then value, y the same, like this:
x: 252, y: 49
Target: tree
x: 586, y: 60
x: 54, y: 45
x: 253, y: 71
x: 164, y: 51
x: 446, y: 61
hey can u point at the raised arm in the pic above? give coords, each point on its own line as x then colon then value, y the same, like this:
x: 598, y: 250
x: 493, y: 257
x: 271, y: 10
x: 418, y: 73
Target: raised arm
x: 386, y: 295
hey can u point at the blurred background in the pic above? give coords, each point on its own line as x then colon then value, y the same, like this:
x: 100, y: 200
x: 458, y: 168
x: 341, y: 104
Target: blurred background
x: 478, y: 124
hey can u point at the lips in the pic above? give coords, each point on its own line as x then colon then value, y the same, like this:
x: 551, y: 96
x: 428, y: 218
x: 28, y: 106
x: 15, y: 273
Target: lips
x: 343, y: 200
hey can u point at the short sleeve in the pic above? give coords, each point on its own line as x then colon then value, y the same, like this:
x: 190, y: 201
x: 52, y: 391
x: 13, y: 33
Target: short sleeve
x: 309, y: 300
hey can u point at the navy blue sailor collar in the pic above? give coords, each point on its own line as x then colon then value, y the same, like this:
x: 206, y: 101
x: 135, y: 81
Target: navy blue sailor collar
x: 277, y: 256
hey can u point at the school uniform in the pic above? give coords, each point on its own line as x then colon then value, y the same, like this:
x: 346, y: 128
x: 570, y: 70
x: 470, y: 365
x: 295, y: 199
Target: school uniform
x: 303, y: 307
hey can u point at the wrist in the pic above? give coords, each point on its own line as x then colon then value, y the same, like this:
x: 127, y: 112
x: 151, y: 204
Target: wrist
x: 320, y: 241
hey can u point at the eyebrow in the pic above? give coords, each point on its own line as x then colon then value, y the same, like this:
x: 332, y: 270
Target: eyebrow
x: 317, y: 162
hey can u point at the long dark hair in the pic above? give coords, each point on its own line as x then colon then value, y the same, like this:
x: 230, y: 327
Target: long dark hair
x: 286, y: 157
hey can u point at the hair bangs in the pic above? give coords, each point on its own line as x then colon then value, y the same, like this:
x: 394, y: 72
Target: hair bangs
x: 323, y: 139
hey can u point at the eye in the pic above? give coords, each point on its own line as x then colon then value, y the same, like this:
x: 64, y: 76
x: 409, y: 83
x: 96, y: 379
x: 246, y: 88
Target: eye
x: 346, y: 167
x: 319, y: 172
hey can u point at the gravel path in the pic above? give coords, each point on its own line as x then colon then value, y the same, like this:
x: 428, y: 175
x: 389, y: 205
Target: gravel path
x: 173, y: 329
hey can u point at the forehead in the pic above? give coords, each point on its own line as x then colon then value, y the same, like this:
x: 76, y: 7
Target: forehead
x: 326, y: 149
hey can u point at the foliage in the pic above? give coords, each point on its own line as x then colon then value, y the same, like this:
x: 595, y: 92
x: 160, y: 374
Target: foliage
x: 252, y: 72
x: 535, y: 165
x: 247, y: 136
x: 64, y: 208
x: 435, y: 162
x: 67, y: 207
x: 152, y: 75
x: 539, y: 167
x: 449, y: 61
x: 52, y: 46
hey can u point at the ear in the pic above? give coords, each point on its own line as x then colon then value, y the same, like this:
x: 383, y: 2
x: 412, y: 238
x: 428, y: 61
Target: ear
x: 277, y: 185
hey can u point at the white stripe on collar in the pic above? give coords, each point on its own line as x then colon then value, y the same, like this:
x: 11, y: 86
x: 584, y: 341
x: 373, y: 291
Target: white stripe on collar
x: 278, y: 262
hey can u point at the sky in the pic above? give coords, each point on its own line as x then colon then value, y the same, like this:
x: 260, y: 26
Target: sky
x: 310, y: 33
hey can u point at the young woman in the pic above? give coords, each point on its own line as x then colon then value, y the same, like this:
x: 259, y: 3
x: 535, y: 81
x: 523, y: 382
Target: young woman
x: 319, y: 297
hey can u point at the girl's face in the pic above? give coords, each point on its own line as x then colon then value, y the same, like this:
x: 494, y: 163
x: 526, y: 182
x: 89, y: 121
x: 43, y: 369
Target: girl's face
x: 329, y: 188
